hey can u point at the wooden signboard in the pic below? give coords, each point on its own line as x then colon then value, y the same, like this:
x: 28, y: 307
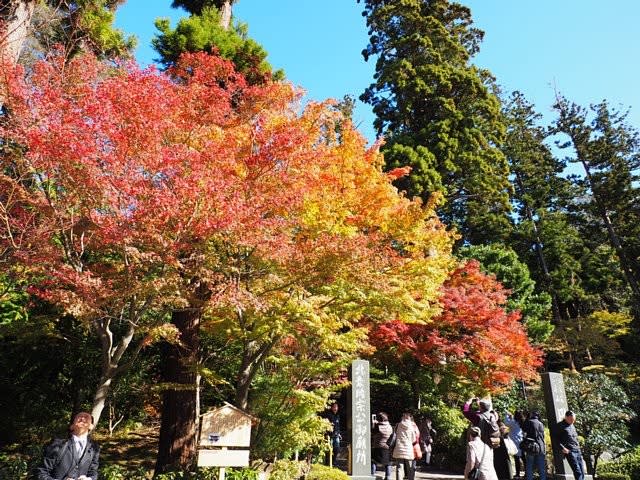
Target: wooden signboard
x: 221, y: 428
x: 226, y: 426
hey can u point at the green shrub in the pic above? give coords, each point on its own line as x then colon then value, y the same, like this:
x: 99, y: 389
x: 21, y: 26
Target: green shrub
x: 627, y: 464
x: 322, y: 472
x: 613, y: 476
x: 240, y: 474
x: 119, y: 472
x: 200, y: 474
x: 450, y: 444
x: 286, y: 470
x: 12, y: 467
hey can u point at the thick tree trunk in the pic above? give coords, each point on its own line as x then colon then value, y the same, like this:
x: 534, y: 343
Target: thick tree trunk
x: 226, y: 10
x: 15, y: 20
x: 178, y: 430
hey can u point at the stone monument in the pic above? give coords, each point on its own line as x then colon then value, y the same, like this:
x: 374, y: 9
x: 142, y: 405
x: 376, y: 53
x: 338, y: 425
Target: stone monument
x: 359, y: 422
x: 555, y: 402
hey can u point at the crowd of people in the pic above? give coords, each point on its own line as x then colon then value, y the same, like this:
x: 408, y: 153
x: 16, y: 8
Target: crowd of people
x: 500, y: 447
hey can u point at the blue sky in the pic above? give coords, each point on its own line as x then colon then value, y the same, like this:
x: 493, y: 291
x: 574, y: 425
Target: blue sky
x: 588, y: 50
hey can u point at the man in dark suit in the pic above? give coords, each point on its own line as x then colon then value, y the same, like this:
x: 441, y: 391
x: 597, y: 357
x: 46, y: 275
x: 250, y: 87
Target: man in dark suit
x: 75, y: 458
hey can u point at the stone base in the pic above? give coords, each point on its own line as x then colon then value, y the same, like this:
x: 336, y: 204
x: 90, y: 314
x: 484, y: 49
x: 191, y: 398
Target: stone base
x: 362, y: 477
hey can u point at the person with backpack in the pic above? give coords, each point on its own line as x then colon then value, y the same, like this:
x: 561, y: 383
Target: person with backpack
x: 73, y: 458
x: 534, y: 447
x: 484, y: 418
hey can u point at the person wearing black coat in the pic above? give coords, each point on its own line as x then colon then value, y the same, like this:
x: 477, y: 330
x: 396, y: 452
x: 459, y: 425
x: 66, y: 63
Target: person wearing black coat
x: 75, y: 458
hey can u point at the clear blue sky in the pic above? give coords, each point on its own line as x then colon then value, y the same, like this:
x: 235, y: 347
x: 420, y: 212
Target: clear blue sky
x: 588, y: 49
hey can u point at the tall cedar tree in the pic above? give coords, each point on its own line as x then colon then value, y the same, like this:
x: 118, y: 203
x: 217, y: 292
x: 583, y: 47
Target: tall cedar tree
x: 207, y: 29
x: 437, y: 111
x: 608, y: 149
x: 539, y: 188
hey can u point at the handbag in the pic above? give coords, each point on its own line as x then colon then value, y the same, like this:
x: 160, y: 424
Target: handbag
x: 474, y: 474
x: 512, y: 449
x: 391, y: 441
x: 530, y: 445
x: 417, y: 451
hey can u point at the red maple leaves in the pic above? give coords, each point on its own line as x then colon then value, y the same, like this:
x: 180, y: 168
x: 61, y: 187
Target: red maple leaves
x: 474, y: 337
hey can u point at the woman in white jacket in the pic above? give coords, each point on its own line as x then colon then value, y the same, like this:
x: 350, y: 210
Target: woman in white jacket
x: 406, y: 437
x: 479, y: 455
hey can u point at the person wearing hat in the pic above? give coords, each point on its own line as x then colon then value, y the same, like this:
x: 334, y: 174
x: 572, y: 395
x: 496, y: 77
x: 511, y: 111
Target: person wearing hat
x: 473, y: 416
x: 74, y: 458
x: 480, y: 456
x: 566, y: 439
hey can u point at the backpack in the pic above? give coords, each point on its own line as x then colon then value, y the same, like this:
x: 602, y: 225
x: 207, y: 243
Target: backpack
x: 531, y: 446
x: 489, y: 429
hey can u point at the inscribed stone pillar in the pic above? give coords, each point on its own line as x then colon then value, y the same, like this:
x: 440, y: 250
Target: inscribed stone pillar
x: 555, y: 402
x: 360, y: 422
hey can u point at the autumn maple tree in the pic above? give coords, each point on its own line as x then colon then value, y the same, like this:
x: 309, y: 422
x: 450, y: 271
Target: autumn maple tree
x: 131, y: 197
x: 473, y: 339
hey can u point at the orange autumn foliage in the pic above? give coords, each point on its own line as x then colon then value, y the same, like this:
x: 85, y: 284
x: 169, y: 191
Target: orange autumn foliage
x: 126, y: 189
x: 474, y: 338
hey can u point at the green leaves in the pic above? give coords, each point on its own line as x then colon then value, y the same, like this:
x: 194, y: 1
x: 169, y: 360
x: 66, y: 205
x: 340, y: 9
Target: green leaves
x: 202, y: 32
x: 437, y: 112
x: 602, y: 412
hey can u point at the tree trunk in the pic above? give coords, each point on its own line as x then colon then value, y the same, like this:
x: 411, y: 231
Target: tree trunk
x: 111, y: 361
x: 226, y: 10
x: 178, y: 429
x: 15, y: 20
x: 555, y: 305
x: 252, y: 358
x: 100, y: 397
x: 623, y: 259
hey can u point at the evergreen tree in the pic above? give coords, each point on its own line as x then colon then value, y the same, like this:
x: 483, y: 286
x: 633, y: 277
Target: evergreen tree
x: 78, y: 26
x: 438, y: 112
x: 203, y: 31
x: 538, y: 185
x: 609, y: 151
x: 195, y: 7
